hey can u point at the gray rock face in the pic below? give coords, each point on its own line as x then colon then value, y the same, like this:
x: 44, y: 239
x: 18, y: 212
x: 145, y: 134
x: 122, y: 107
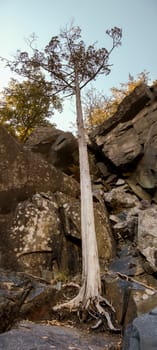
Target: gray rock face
x: 31, y: 299
x: 22, y: 296
x: 147, y: 238
x: 24, y: 173
x: 44, y: 337
x: 127, y: 110
x: 134, y: 297
x: 45, y: 235
x: 39, y: 239
x: 123, y: 217
x: 121, y: 145
x: 128, y: 281
x: 40, y: 207
x: 130, y: 136
x: 142, y: 333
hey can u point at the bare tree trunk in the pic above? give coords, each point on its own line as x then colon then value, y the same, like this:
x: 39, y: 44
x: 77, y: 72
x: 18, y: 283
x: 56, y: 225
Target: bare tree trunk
x: 90, y: 261
x: 89, y: 296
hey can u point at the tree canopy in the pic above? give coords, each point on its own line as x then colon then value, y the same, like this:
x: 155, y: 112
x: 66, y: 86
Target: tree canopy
x: 25, y: 105
x: 62, y: 56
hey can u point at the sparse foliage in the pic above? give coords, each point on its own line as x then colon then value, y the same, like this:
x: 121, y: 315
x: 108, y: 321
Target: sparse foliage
x: 61, y: 57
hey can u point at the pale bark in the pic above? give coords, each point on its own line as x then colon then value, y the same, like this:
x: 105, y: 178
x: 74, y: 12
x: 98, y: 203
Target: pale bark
x: 89, y: 296
x: 90, y: 260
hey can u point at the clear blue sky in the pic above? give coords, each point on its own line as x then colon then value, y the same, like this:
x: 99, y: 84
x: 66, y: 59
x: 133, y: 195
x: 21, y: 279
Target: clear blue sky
x: 137, y: 18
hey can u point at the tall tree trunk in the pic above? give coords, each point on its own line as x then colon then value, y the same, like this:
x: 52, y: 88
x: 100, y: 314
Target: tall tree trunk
x: 90, y: 260
x: 89, y: 296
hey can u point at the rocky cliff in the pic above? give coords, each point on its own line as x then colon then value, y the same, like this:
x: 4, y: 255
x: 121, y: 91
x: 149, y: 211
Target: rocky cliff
x: 40, y: 246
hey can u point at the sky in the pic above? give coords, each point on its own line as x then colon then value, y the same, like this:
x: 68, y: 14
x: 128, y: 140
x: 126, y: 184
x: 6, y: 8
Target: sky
x: 137, y: 18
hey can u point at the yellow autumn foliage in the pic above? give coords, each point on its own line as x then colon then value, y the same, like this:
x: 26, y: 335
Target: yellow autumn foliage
x: 98, y: 107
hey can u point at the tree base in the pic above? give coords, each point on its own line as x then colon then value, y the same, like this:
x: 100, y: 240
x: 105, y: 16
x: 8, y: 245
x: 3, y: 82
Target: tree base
x: 93, y: 307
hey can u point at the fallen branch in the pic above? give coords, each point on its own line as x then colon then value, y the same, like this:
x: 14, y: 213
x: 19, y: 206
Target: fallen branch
x: 131, y: 279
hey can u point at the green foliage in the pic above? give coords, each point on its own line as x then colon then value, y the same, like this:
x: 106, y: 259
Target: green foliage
x: 98, y: 108
x: 25, y: 105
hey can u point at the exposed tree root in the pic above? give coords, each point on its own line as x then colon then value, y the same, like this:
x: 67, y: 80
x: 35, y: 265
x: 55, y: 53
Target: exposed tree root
x: 93, y: 306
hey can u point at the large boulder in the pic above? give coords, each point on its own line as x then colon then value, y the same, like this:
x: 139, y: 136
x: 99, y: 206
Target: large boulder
x: 123, y: 207
x: 46, y: 239
x: 121, y: 145
x: 56, y: 146
x: 39, y: 238
x: 123, y: 138
x: 142, y: 333
x: 24, y: 173
x: 134, y: 297
x: 127, y: 110
x: 23, y: 297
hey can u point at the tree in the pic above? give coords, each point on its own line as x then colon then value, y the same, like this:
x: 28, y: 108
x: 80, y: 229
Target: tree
x: 98, y: 108
x: 25, y: 105
x: 72, y: 66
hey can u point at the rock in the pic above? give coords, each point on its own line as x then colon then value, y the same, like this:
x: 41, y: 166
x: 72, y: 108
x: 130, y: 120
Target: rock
x: 103, y: 169
x: 40, y: 216
x: 140, y: 192
x: 142, y: 333
x: 10, y: 304
x: 134, y: 297
x: 38, y: 336
x: 145, y: 124
x: 22, y: 296
x: 128, y: 262
x: 24, y: 173
x: 59, y: 148
x: 8, y: 259
x: 120, y: 289
x: 122, y: 139
x: 120, y: 182
x: 124, y: 226
x: 121, y: 145
x: 146, y: 172
x: 39, y: 238
x: 119, y: 198
x: 146, y: 237
x: 123, y: 207
x: 45, y: 235
x: 127, y: 110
